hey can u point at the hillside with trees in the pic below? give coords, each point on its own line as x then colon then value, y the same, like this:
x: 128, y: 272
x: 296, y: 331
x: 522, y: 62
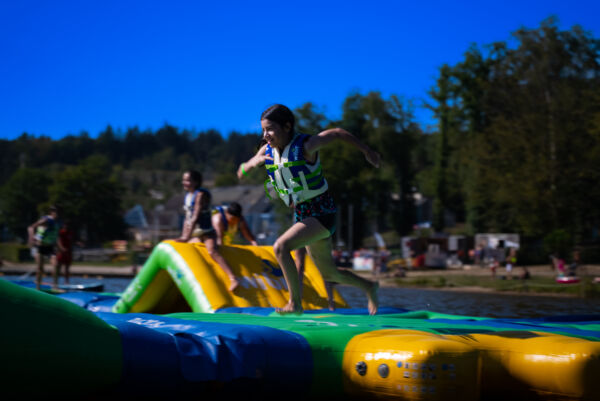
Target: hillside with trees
x: 516, y: 149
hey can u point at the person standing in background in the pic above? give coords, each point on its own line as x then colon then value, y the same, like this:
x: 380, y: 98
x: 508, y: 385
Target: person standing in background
x: 42, y: 239
x: 64, y: 256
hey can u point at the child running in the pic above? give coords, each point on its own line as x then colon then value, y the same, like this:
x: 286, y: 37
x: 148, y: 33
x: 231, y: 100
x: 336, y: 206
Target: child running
x: 197, y: 226
x: 294, y: 170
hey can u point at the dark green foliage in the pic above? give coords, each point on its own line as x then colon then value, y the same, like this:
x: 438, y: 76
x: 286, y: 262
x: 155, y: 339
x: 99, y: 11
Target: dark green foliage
x: 90, y: 197
x: 519, y: 134
x: 381, y: 198
x: 23, y: 199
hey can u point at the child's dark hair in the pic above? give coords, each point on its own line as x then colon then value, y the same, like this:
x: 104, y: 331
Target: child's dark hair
x: 234, y: 209
x: 196, y: 176
x: 280, y: 114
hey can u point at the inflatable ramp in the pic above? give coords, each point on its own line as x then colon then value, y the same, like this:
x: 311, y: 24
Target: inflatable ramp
x: 182, y: 277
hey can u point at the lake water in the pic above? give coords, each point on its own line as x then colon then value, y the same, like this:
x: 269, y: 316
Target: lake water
x: 451, y: 302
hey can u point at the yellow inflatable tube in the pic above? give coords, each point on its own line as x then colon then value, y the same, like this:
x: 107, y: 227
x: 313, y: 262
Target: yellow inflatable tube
x: 417, y: 365
x: 410, y: 365
x: 537, y: 364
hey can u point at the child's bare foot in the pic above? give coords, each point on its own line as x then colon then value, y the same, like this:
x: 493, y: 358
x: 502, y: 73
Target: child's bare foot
x: 372, y: 297
x: 290, y: 308
x: 233, y: 283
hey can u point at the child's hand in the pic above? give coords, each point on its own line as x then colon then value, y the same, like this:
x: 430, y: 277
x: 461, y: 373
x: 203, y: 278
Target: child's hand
x: 254, y: 162
x: 240, y: 171
x: 373, y: 157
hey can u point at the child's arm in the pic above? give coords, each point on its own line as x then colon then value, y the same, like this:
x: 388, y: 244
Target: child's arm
x: 188, y: 225
x: 246, y: 231
x: 219, y: 227
x: 257, y: 160
x: 31, y: 230
x: 60, y: 244
x: 186, y: 232
x: 316, y: 142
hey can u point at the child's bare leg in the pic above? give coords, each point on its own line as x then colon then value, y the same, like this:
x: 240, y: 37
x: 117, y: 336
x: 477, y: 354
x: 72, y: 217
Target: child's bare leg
x: 39, y: 258
x: 297, y: 236
x: 300, y: 255
x: 67, y: 267
x: 320, y: 252
x: 330, y: 301
x: 55, y: 274
x: 211, y: 248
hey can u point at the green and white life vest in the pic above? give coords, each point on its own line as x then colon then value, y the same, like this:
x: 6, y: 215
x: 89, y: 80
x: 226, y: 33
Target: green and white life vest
x: 47, y: 233
x: 291, y: 175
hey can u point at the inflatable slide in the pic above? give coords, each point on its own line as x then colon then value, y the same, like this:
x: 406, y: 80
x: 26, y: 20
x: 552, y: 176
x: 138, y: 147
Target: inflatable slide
x: 183, y: 277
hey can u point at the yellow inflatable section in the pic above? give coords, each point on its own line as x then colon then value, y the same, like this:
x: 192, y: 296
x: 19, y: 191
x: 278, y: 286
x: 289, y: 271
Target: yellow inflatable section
x: 418, y: 365
x: 182, y: 277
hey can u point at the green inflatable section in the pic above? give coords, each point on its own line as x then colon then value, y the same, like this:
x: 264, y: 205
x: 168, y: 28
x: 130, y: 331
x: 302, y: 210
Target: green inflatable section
x: 328, y: 334
x: 51, y: 346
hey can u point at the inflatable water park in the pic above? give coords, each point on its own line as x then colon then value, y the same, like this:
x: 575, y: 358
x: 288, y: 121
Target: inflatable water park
x: 176, y: 332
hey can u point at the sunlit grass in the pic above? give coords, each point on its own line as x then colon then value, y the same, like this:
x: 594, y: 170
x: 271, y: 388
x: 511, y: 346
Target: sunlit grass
x: 536, y: 285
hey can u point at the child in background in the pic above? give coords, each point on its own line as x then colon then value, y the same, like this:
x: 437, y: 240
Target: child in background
x: 197, y: 226
x: 42, y: 239
x: 64, y: 256
x: 227, y: 221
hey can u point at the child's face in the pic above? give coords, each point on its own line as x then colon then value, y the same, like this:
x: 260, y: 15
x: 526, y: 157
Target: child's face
x: 275, y: 135
x: 187, y: 182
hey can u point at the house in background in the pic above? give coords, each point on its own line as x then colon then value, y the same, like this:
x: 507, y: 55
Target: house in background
x: 165, y: 221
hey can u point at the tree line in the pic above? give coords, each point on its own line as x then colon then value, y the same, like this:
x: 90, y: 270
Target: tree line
x: 518, y: 145
x: 516, y: 148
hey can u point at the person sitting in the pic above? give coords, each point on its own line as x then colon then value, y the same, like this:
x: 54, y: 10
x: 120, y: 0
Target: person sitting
x: 227, y: 221
x: 574, y: 263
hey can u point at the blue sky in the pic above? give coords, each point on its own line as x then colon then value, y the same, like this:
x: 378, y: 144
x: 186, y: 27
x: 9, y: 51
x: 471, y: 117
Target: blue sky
x: 73, y: 66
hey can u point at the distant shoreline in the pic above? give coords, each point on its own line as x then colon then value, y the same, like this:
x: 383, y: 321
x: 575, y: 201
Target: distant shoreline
x: 386, y: 279
x: 412, y: 277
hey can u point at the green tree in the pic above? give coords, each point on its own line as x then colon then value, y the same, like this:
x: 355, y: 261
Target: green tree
x: 523, y: 138
x: 91, y: 198
x: 444, y: 97
x: 23, y: 199
x: 381, y: 199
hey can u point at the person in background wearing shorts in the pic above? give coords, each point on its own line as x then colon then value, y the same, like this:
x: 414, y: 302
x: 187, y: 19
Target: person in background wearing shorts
x: 42, y: 239
x: 197, y: 225
x: 294, y: 169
